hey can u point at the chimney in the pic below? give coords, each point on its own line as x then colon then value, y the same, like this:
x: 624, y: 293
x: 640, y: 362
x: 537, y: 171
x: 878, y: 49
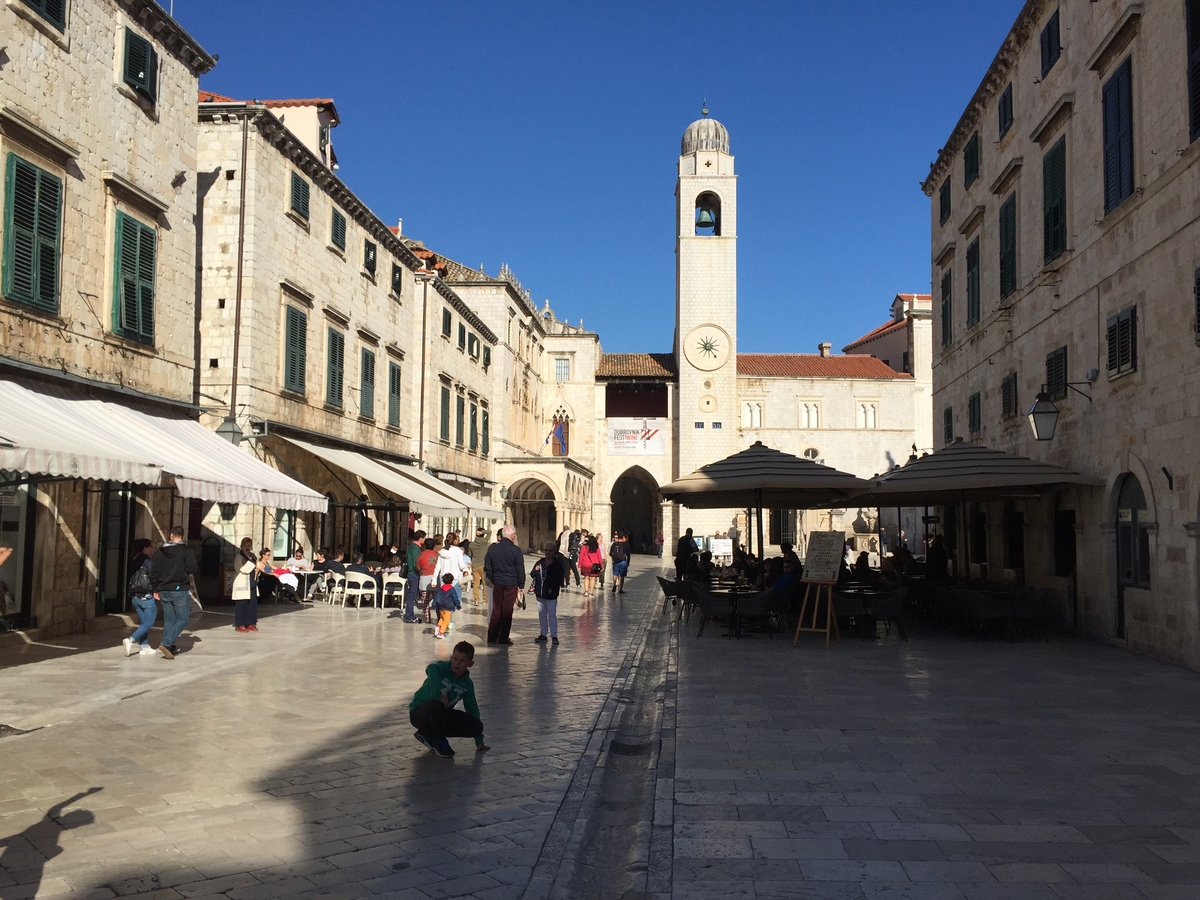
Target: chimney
x: 825, y: 347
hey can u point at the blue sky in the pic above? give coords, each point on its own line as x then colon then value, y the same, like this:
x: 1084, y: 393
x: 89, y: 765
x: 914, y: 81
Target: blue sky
x: 545, y: 135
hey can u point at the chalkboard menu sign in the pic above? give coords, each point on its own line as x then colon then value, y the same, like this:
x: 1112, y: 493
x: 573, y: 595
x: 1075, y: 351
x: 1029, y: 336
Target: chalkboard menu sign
x: 824, y: 557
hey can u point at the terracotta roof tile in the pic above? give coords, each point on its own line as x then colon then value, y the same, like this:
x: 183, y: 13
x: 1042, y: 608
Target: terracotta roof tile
x: 637, y: 365
x: 813, y: 365
x: 210, y: 97
x: 878, y: 332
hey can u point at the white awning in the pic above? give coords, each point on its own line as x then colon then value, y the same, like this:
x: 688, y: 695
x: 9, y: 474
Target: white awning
x: 474, y: 505
x: 51, y: 431
x: 390, y: 480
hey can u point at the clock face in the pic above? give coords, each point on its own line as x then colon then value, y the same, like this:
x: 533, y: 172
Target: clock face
x: 707, y: 347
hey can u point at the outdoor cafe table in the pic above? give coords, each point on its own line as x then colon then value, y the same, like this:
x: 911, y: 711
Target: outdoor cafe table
x: 733, y: 592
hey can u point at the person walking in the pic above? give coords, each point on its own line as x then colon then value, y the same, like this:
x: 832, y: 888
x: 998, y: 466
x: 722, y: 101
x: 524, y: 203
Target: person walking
x: 591, y: 562
x: 573, y: 545
x: 683, y: 553
x: 504, y: 566
x: 171, y: 571
x: 619, y: 553
x: 549, y: 574
x: 446, y: 600
x: 426, y: 566
x: 479, y: 548
x: 413, y: 578
x: 245, y: 588
x: 141, y: 597
x: 603, y: 560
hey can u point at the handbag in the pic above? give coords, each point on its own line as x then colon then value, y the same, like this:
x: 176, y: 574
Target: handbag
x: 597, y: 568
x: 140, y: 582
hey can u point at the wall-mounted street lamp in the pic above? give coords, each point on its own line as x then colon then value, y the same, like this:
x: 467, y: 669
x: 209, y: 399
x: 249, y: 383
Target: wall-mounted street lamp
x: 1043, y: 415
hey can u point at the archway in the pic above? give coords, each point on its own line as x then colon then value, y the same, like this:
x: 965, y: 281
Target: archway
x: 532, y: 512
x: 637, y: 509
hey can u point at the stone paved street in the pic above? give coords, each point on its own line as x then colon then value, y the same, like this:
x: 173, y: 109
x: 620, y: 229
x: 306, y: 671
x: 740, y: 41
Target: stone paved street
x: 283, y: 765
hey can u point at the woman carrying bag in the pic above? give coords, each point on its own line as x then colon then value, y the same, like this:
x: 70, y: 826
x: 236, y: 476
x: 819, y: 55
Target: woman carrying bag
x: 245, y: 588
x: 141, y: 596
x: 591, y: 564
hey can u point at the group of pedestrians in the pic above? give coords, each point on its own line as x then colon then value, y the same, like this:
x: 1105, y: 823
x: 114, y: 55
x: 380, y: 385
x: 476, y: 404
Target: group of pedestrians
x: 161, y: 576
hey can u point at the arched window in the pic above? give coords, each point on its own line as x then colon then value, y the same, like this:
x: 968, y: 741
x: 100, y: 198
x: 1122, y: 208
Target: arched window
x: 866, y: 415
x: 751, y: 415
x: 560, y: 433
x: 708, y: 215
x: 810, y: 415
x: 1133, y: 538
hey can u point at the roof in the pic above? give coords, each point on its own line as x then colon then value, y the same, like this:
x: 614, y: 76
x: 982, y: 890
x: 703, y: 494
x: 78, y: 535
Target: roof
x: 883, y: 329
x: 319, y: 102
x: 813, y: 365
x: 637, y: 365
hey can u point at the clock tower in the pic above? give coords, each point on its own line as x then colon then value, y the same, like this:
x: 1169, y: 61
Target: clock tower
x: 706, y: 417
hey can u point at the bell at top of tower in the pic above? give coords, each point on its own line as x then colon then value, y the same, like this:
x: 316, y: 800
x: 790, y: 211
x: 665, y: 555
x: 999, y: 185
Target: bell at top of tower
x: 705, y: 134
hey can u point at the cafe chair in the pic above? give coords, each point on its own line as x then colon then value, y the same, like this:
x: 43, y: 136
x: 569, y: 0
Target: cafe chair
x: 671, y: 591
x: 337, y: 590
x: 888, y: 609
x: 766, y: 607
x: 709, y: 606
x: 393, y: 584
x: 359, y: 588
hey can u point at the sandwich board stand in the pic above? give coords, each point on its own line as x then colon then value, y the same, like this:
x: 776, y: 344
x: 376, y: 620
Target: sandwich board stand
x: 821, y: 565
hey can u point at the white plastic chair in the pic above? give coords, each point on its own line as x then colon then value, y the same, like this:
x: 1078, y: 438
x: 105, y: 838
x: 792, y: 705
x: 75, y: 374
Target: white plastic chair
x: 359, y: 588
x: 337, y: 590
x: 393, y: 583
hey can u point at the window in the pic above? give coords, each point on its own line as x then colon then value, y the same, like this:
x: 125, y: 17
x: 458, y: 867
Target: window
x: 975, y: 413
x: 813, y: 454
x: 1051, y: 44
x: 1056, y: 373
x: 472, y: 346
x: 473, y: 434
x: 1008, y: 395
x: 1122, y: 342
x: 971, y: 160
x: 782, y: 526
x: 369, y: 253
x: 337, y: 228
x: 560, y: 432
x: 752, y: 414
x: 133, y: 288
x: 1118, y: 136
x: 1008, y: 246
x: 867, y: 415
x: 1004, y: 110
x: 53, y: 11
x: 460, y: 419
x: 562, y: 370
x: 447, y: 323
x: 397, y: 279
x: 810, y: 415
x: 487, y: 356
x: 295, y: 349
x: 300, y: 196
x: 444, y: 415
x: 948, y: 425
x: 32, y: 234
x: 973, y: 283
x: 944, y: 202
x: 335, y: 367
x: 1054, y: 201
x: 367, y: 385
x: 462, y: 336
x: 393, y: 395
x: 946, y: 322
x: 141, y: 66
x: 484, y: 432
x: 1193, y: 64
x: 1133, y: 537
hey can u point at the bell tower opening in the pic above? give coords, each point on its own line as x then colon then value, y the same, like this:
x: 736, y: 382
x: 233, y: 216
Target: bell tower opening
x: 708, y: 215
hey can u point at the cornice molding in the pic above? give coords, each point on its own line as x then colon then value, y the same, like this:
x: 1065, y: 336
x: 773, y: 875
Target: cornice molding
x: 1118, y: 38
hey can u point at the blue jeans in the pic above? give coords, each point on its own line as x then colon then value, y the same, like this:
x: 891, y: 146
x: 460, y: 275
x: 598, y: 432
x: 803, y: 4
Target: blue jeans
x: 147, y: 611
x: 410, y: 595
x: 177, y: 607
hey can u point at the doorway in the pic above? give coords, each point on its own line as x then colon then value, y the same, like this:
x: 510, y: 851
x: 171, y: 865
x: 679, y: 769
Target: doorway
x: 636, y: 509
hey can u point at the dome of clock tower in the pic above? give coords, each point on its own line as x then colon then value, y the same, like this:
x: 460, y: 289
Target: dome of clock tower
x: 705, y: 134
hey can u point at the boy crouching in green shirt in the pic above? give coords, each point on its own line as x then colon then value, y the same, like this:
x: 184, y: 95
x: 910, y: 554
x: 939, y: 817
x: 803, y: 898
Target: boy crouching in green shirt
x: 432, y: 710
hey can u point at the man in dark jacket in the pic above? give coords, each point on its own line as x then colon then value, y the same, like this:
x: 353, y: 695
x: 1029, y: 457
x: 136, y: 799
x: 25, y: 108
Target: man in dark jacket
x: 171, y: 569
x: 683, y: 553
x: 504, y: 567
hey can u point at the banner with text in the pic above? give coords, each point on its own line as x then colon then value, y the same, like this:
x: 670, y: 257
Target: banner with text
x: 637, y: 437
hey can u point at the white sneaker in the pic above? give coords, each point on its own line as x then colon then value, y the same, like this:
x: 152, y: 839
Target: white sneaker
x: 147, y: 650
x: 129, y: 645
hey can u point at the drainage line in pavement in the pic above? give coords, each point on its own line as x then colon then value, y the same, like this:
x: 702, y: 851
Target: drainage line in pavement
x: 606, y: 850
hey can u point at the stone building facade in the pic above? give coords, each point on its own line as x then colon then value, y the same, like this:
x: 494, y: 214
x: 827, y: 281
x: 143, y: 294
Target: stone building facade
x: 1064, y: 250
x: 98, y: 140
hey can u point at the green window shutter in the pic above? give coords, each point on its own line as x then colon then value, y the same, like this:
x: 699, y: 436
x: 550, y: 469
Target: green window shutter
x: 393, y: 395
x: 141, y: 65
x: 397, y: 279
x: 1004, y: 110
x: 975, y: 413
x: 1008, y: 246
x: 444, y: 415
x: 946, y: 308
x: 336, y: 364
x: 369, y: 254
x: 1117, y: 104
x: 487, y: 356
x: 1054, y: 201
x: 337, y: 231
x: 1056, y: 373
x: 462, y: 336
x: 32, y: 234
x: 973, y: 283
x: 1008, y: 395
x: 53, y: 11
x: 948, y: 426
x: 447, y: 322
x: 944, y: 202
x: 484, y: 433
x: 460, y: 412
x: 133, y: 290
x: 1122, y: 342
x: 367, y: 387
x: 300, y: 197
x: 295, y: 351
x: 971, y: 160
x: 474, y: 430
